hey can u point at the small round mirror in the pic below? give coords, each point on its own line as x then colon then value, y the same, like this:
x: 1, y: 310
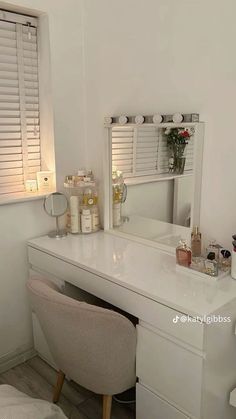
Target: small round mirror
x: 56, y: 205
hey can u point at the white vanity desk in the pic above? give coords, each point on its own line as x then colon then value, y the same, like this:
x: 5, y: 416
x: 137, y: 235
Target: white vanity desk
x: 184, y: 370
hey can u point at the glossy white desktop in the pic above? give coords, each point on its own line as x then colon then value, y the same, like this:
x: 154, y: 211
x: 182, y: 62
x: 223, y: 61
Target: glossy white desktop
x: 185, y: 369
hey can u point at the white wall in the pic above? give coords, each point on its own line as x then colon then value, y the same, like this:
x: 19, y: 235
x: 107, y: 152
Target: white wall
x: 20, y: 222
x: 165, y: 56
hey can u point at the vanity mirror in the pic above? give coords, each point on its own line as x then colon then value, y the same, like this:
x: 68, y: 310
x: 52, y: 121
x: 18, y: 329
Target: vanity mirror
x: 161, y: 166
x: 56, y: 205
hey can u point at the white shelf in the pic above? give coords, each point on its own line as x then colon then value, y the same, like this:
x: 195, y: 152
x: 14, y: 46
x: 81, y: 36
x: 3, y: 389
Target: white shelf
x: 23, y: 196
x: 161, y: 125
x: 155, y: 178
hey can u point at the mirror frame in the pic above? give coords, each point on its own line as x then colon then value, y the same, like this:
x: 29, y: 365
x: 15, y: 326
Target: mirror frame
x: 197, y: 180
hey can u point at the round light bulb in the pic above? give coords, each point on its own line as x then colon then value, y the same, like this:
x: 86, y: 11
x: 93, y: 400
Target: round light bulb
x: 108, y: 120
x: 157, y: 119
x: 177, y: 118
x: 139, y: 119
x: 123, y: 119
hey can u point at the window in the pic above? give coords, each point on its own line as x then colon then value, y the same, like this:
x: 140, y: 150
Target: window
x: 19, y: 102
x: 142, y: 151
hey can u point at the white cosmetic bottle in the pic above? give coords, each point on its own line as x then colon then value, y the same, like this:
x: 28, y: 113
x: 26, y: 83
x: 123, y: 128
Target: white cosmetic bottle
x: 74, y: 214
x: 86, y: 221
x: 95, y: 219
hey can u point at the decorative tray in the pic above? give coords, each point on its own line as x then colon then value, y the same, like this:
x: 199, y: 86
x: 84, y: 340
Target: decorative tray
x: 194, y: 272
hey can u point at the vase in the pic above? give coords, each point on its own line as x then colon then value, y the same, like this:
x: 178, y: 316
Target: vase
x: 179, y: 165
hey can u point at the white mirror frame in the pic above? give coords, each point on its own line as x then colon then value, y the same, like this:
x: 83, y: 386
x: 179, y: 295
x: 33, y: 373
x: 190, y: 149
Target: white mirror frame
x: 197, y: 176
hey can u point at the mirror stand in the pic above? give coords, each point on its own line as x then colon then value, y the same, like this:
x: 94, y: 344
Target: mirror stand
x: 56, y: 205
x: 57, y: 234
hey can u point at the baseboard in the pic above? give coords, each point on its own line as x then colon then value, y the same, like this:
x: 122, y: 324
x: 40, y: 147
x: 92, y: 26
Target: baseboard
x: 13, y: 359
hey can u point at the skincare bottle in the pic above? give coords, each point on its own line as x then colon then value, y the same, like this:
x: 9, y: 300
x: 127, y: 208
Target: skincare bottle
x: 86, y: 221
x: 95, y: 218
x: 74, y: 215
x: 88, y: 198
x: 183, y: 254
x: 196, y: 242
x: 211, y: 265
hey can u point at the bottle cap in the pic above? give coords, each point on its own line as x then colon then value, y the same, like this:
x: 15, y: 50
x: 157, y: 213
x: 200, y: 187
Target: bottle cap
x: 225, y: 253
x: 183, y: 243
x: 86, y: 212
x: 211, y: 256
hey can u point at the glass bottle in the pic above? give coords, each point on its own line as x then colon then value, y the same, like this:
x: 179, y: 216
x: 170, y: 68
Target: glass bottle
x: 213, y: 247
x: 183, y: 254
x: 225, y: 260
x: 88, y: 198
x: 211, y: 265
x: 196, y: 242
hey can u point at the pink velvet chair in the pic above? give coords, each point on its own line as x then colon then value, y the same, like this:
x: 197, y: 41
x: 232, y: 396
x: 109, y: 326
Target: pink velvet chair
x: 93, y: 346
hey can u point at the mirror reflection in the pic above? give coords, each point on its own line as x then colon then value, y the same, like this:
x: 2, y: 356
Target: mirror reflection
x: 156, y: 180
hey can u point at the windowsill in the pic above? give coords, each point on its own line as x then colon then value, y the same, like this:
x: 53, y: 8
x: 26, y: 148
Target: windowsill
x: 23, y: 197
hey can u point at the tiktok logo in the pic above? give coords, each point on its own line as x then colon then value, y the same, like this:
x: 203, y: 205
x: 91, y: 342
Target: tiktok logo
x: 176, y: 319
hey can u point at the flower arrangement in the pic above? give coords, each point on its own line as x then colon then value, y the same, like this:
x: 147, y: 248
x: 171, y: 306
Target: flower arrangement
x: 177, y: 139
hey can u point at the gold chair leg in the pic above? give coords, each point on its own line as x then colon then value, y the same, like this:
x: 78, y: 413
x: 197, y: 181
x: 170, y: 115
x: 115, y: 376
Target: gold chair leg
x: 58, y: 387
x: 107, y: 401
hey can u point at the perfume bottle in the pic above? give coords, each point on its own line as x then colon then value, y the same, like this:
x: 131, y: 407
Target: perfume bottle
x: 214, y: 247
x: 196, y: 242
x: 225, y: 260
x: 183, y: 254
x: 211, y: 265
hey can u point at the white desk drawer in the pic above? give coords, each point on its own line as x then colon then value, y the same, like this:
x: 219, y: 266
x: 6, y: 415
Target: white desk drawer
x: 170, y: 370
x: 146, y: 309
x: 146, y: 401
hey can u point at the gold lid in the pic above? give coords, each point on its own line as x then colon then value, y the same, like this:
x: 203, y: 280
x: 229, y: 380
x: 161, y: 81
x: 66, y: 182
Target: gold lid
x: 195, y: 230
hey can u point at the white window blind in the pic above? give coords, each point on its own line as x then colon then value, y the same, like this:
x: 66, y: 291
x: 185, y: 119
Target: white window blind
x: 142, y: 151
x: 135, y: 150
x: 19, y: 102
